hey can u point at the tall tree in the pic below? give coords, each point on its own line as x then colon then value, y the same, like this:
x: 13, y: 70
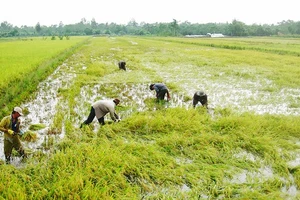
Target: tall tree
x: 94, y: 23
x: 237, y: 28
x: 6, y: 26
x: 175, y: 27
x: 38, y: 28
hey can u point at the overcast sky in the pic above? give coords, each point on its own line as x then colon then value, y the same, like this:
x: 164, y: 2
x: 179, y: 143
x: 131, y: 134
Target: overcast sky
x: 30, y: 12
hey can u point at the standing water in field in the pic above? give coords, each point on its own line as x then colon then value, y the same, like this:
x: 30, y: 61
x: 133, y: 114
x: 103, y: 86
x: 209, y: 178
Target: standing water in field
x: 42, y: 108
x: 134, y: 98
x: 242, y: 94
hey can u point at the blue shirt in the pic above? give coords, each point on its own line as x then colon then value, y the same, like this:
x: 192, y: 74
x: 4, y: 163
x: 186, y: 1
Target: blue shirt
x: 159, y: 86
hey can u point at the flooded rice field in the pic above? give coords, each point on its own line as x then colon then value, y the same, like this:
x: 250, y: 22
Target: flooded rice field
x: 254, y: 94
x: 42, y: 108
x: 242, y: 95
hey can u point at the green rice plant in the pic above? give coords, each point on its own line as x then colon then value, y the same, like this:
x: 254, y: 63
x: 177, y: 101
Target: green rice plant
x: 29, y: 136
x: 142, y: 159
x: 25, y: 63
x: 36, y: 127
x: 57, y: 124
x: 165, y: 152
x: 48, y: 142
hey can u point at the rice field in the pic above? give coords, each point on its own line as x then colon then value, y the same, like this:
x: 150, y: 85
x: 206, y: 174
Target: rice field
x: 24, y: 62
x: 245, y: 146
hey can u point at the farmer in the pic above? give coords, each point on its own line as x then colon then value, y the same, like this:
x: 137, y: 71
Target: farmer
x: 161, y: 91
x: 100, y: 109
x: 201, y: 97
x: 10, y: 125
x: 122, y: 65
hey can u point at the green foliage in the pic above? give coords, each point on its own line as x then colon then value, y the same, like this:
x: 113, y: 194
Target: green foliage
x: 235, y: 28
x: 164, y: 152
x: 29, y: 136
x: 151, y: 152
x: 36, y: 127
x: 25, y: 64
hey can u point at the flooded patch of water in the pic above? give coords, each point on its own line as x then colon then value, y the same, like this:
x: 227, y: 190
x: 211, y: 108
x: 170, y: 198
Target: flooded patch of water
x: 263, y: 174
x: 244, y: 94
x: 43, y: 108
x: 236, y: 92
x: 245, y: 176
x: 183, y: 161
x: 133, y: 98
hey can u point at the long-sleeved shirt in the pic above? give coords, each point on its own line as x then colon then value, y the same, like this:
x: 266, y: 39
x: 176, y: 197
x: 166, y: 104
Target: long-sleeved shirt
x: 159, y: 86
x: 6, y: 123
x: 103, y: 107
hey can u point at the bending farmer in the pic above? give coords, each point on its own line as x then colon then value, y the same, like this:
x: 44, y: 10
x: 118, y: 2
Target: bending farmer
x: 161, y: 91
x: 10, y: 125
x: 201, y: 97
x: 100, y: 109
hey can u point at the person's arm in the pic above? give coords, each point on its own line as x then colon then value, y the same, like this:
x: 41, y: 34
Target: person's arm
x: 3, y: 125
x: 112, y: 112
x: 117, y: 117
x: 156, y: 91
x: 168, y: 95
x: 3, y: 129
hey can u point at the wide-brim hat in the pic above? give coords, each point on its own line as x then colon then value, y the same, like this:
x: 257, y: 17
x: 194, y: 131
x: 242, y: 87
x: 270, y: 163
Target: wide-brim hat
x: 18, y: 110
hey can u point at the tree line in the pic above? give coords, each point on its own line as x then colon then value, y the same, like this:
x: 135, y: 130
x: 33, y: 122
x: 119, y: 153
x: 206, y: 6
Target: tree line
x: 174, y: 28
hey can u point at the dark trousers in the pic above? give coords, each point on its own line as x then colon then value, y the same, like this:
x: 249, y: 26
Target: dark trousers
x: 91, y: 118
x: 13, y: 144
x: 161, y: 94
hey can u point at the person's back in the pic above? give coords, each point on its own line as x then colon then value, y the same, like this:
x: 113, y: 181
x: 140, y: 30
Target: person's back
x: 201, y: 97
x: 159, y: 87
x: 161, y: 90
x: 122, y: 65
x: 100, y: 109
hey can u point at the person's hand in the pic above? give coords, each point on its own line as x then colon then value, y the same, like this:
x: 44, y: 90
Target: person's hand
x: 10, y: 132
x: 117, y: 120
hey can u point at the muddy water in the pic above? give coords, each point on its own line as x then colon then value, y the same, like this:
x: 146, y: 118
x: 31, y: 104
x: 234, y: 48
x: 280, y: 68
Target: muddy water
x: 238, y: 93
x: 235, y: 92
x: 132, y: 96
x: 43, y: 107
x: 264, y: 173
